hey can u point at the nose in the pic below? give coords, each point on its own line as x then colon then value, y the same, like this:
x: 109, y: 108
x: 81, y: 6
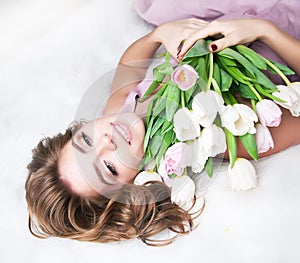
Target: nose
x: 105, y: 143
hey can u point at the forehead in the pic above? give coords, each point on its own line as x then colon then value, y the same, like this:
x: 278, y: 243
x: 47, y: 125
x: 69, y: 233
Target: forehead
x: 70, y: 174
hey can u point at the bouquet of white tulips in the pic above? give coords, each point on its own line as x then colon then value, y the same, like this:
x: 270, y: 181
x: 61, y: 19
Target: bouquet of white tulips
x: 196, y: 115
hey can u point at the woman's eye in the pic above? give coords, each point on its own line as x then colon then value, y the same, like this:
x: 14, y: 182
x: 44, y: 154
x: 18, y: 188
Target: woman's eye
x: 111, y: 168
x: 86, y: 139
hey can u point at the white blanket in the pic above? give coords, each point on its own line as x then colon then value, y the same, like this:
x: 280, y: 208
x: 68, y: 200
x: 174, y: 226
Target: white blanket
x: 51, y: 51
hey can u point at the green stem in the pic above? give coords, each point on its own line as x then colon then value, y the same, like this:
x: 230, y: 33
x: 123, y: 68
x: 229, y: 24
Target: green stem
x: 182, y: 99
x: 216, y: 86
x: 152, y: 167
x: 226, y: 99
x: 266, y: 94
x: 254, y: 91
x: 253, y: 104
x: 231, y: 98
x: 276, y: 69
x: 211, y: 70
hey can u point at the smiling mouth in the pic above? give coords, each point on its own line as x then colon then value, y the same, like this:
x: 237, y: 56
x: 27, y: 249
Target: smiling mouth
x: 123, y: 131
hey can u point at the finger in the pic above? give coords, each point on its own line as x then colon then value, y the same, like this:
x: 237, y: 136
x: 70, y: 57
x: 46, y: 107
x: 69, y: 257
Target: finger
x: 222, y: 43
x: 174, y: 51
x: 201, y: 34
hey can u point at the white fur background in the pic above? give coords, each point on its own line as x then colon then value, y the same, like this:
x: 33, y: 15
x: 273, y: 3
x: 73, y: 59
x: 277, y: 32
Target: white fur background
x: 51, y: 51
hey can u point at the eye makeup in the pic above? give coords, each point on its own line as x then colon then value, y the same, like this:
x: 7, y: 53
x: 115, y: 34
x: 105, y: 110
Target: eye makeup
x: 111, y: 168
x: 86, y: 139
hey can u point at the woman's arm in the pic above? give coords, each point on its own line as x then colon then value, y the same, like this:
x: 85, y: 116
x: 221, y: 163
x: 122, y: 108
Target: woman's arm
x: 240, y: 31
x: 286, y: 46
x: 130, y: 71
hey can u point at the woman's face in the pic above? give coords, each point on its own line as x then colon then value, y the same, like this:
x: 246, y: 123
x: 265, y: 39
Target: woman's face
x: 103, y: 154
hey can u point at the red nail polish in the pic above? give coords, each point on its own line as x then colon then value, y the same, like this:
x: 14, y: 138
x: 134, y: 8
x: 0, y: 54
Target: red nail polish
x: 178, y: 52
x: 213, y: 47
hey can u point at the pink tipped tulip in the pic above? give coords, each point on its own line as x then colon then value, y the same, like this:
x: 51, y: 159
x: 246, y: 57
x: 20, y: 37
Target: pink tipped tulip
x: 263, y: 138
x: 287, y: 94
x: 268, y: 113
x: 179, y: 155
x: 185, y: 77
x: 295, y: 86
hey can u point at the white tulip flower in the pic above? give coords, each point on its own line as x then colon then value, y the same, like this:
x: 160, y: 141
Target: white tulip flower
x: 199, y: 156
x: 296, y: 110
x: 263, y: 137
x: 239, y: 119
x: 243, y: 175
x: 185, y: 126
x: 206, y: 105
x: 213, y: 140
x: 183, y: 191
x: 146, y: 176
x: 291, y: 95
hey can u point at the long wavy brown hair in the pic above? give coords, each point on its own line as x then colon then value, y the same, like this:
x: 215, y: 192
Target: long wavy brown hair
x: 54, y: 210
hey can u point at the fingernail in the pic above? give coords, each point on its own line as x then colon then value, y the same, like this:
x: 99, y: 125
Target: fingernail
x: 178, y: 52
x: 213, y: 47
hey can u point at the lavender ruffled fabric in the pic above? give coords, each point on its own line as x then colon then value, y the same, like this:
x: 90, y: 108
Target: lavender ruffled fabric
x: 284, y: 13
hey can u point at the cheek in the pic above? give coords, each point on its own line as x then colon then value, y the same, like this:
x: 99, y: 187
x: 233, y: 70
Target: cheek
x: 128, y: 175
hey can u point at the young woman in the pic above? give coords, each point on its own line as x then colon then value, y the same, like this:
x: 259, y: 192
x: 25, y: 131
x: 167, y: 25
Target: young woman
x: 80, y: 183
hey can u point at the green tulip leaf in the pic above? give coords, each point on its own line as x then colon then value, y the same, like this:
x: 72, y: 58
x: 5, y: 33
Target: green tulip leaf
x: 209, y: 167
x: 245, y: 91
x: 149, y: 111
x: 217, y: 74
x: 157, y: 124
x: 231, y: 147
x: 147, y: 159
x: 161, y: 98
x: 159, y: 74
x: 172, y: 102
x: 199, y: 49
x: 172, y: 175
x: 226, y: 80
x: 249, y: 142
x: 284, y: 69
x: 252, y: 56
x: 267, y: 94
x: 227, y: 61
x: 148, y: 132
x: 150, y: 90
x: 162, y: 70
x: 155, y: 144
x: 166, y: 142
x: 201, y: 68
x: 257, y: 75
x: 188, y: 94
x: 167, y: 126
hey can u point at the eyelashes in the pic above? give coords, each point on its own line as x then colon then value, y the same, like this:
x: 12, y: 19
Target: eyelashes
x: 86, y: 139
x: 111, y: 168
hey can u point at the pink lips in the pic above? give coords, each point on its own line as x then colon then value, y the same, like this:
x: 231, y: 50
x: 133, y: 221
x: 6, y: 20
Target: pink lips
x: 123, y: 130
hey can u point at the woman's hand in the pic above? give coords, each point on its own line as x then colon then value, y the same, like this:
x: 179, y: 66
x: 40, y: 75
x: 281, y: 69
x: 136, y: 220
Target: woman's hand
x: 237, y: 31
x: 171, y: 34
x: 247, y: 30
